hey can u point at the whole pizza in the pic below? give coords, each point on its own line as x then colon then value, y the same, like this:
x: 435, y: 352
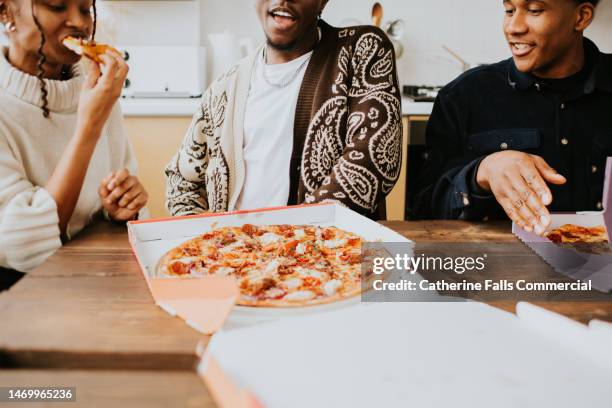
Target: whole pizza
x: 274, y: 265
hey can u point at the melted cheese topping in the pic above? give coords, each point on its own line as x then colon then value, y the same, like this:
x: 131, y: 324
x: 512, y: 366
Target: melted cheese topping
x: 292, y: 283
x: 299, y: 296
x: 269, y: 238
x: 335, y: 243
x: 331, y: 288
x: 305, y: 273
x: 231, y: 247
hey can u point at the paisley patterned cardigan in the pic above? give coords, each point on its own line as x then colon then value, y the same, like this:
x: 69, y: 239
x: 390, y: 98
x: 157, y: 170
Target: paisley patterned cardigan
x: 347, y: 131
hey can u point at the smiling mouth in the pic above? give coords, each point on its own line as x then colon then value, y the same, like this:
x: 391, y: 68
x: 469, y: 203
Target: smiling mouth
x: 520, y: 49
x: 283, y: 18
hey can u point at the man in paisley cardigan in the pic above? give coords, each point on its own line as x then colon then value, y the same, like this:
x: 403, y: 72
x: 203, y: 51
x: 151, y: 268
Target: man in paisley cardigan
x: 346, y: 130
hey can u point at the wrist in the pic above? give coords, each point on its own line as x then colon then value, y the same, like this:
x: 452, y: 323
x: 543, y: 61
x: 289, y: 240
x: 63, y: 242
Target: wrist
x: 482, y: 178
x: 89, y: 130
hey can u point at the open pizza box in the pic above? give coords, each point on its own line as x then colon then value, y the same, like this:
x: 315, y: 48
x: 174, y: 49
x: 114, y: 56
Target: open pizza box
x: 205, y: 303
x: 583, y: 266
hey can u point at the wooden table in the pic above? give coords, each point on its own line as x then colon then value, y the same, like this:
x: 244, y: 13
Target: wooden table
x: 116, y: 388
x: 88, y: 309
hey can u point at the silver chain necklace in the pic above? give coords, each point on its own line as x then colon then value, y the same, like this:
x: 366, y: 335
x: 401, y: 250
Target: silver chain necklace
x: 289, y: 80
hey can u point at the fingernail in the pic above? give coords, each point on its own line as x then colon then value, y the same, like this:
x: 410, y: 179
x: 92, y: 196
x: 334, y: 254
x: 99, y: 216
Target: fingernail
x: 538, y: 229
x: 528, y: 228
x: 546, y: 198
x: 544, y: 219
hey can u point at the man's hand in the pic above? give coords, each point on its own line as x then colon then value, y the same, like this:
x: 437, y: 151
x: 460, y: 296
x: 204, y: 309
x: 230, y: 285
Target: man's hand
x: 122, y: 195
x: 518, y: 181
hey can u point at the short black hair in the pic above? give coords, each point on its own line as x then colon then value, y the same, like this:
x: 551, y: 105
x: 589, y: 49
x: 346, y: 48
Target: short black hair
x: 593, y: 2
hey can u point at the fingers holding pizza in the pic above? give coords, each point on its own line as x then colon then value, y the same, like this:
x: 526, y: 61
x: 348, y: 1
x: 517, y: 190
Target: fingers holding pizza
x: 105, y: 77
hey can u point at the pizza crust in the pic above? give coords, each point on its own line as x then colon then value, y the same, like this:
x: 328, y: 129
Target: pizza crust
x: 356, y: 290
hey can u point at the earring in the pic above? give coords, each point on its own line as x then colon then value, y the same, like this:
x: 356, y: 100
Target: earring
x: 10, y: 26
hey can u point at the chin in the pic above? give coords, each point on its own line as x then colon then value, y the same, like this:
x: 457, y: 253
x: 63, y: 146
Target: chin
x: 283, y: 44
x: 68, y: 58
x: 524, y: 66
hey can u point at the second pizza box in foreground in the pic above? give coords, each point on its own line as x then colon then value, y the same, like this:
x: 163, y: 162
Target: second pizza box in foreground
x: 204, y: 303
x: 585, y: 266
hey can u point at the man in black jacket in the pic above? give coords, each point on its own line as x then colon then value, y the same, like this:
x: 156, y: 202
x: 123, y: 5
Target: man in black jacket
x: 527, y: 135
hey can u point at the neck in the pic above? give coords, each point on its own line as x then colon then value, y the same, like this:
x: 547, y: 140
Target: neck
x: 28, y: 63
x: 303, y: 46
x: 569, y: 64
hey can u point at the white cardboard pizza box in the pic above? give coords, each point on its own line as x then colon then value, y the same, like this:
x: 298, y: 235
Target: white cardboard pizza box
x: 205, y: 303
x: 578, y: 265
x: 412, y: 354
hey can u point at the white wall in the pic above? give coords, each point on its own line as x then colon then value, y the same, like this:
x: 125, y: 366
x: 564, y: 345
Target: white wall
x: 170, y: 22
x: 145, y: 23
x: 471, y: 28
x: 3, y: 39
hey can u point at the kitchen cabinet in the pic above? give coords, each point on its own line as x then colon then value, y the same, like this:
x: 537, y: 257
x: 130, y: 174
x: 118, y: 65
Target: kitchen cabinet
x: 155, y: 141
x: 413, y: 149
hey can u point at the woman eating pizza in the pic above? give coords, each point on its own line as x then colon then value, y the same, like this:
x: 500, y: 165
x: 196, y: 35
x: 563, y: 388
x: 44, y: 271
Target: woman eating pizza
x: 64, y: 155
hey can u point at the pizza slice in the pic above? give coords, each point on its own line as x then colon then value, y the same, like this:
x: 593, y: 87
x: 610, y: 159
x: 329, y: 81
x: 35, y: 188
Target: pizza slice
x: 592, y: 240
x: 570, y: 233
x: 89, y: 49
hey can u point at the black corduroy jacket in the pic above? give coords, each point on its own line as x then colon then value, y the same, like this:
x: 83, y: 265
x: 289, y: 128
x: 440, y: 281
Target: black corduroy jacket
x: 492, y: 108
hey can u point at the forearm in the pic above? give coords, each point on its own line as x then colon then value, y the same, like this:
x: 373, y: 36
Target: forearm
x: 454, y: 197
x: 183, y: 196
x: 66, y: 181
x: 29, y: 231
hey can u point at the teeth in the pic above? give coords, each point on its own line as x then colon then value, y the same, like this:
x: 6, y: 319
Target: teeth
x: 521, y: 46
x: 282, y: 14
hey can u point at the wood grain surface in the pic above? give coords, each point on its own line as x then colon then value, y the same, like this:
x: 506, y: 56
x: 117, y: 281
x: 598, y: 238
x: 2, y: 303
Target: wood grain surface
x: 117, y: 388
x: 89, y: 307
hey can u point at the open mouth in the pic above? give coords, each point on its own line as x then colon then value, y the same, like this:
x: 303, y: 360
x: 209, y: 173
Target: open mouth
x: 73, y: 38
x: 283, y: 18
x: 520, y: 49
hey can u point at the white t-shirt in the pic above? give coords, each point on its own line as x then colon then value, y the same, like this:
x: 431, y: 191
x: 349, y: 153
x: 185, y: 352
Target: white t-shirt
x: 268, y: 133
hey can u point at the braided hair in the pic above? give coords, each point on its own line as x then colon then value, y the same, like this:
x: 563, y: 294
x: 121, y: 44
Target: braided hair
x: 42, y: 58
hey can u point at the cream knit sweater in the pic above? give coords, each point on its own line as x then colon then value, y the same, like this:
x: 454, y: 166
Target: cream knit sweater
x: 30, y: 149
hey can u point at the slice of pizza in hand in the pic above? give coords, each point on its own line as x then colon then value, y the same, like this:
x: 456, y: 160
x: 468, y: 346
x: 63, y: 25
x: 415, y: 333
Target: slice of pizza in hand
x: 89, y: 49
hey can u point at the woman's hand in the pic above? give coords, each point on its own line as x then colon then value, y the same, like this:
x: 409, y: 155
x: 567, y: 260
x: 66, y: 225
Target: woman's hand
x: 122, y: 195
x: 100, y: 91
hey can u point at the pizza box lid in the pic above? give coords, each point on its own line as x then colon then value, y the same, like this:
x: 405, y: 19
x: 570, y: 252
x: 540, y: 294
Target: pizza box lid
x: 578, y: 265
x: 365, y: 360
x: 206, y: 302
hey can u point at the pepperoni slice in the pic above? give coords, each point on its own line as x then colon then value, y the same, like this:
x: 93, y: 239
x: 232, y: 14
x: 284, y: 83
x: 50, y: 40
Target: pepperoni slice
x: 180, y: 268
